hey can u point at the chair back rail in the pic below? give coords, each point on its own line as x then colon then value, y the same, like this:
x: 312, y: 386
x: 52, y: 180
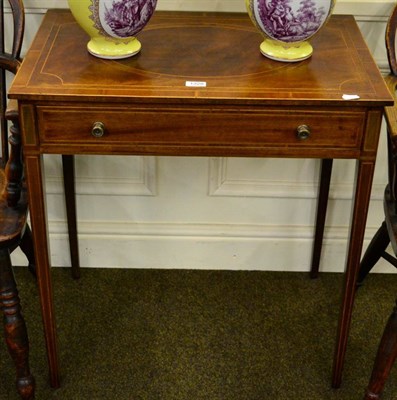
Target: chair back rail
x: 390, y: 41
x: 10, y: 60
x: 391, y: 112
x: 3, y: 95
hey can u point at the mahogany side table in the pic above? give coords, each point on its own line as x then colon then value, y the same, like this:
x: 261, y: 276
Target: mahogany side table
x: 199, y: 87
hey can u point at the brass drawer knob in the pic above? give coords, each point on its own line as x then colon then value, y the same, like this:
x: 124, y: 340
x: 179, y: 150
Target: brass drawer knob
x: 303, y: 132
x: 98, y: 129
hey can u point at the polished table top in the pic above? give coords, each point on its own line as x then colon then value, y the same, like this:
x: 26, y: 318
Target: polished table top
x: 226, y: 57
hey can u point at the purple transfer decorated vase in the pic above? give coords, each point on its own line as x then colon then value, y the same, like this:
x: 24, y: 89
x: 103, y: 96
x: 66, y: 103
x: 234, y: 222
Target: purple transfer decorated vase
x: 288, y: 24
x: 113, y: 24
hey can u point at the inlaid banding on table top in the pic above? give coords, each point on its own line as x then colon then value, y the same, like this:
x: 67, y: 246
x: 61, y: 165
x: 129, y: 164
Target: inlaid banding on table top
x: 208, y: 48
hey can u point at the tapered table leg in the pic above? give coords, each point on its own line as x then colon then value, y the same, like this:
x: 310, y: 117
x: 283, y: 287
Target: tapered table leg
x: 363, y: 183
x: 14, y: 327
x: 322, y: 203
x: 70, y: 199
x: 38, y: 217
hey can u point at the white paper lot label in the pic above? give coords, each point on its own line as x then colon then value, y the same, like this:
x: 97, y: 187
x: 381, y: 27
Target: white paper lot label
x: 196, y: 84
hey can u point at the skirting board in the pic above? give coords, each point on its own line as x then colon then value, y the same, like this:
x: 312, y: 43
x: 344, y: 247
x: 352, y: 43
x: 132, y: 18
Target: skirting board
x: 240, y: 247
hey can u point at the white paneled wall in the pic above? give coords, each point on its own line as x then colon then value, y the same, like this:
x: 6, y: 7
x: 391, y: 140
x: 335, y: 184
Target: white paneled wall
x: 144, y: 212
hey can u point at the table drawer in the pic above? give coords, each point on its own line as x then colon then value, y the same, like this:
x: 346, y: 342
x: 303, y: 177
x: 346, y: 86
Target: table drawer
x: 197, y: 127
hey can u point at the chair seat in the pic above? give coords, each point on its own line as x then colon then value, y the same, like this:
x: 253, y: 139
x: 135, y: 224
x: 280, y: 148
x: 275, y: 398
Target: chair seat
x: 12, y: 219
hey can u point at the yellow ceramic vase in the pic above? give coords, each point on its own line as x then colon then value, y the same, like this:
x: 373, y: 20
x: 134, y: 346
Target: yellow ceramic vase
x: 113, y: 24
x: 287, y: 25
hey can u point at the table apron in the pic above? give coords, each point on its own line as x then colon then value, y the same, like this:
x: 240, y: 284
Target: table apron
x: 201, y: 130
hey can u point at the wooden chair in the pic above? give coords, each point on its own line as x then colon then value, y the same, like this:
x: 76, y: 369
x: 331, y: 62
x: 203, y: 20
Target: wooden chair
x: 10, y: 61
x: 384, y: 360
x: 387, y: 233
x: 14, y: 230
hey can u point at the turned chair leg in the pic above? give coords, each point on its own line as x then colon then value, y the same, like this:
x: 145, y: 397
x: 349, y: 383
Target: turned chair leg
x: 14, y: 327
x: 387, y: 353
x: 374, y: 252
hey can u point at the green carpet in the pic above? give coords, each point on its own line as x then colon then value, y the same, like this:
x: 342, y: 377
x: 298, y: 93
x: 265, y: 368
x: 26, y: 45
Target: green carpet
x: 201, y: 335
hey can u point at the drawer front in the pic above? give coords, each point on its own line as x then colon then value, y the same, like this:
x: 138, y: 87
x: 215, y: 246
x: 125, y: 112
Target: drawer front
x: 201, y: 127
